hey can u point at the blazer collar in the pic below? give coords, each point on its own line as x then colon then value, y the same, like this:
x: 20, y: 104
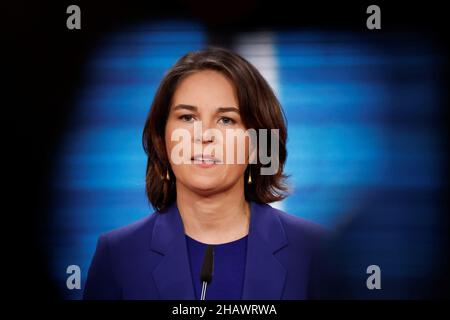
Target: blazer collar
x: 264, y: 275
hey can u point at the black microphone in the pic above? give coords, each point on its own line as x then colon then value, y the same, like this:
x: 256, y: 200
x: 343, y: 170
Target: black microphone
x: 207, y: 269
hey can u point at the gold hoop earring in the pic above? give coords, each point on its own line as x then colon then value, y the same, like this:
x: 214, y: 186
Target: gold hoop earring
x: 249, y: 181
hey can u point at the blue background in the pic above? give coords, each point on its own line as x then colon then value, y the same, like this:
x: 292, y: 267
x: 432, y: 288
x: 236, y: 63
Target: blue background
x: 364, y: 155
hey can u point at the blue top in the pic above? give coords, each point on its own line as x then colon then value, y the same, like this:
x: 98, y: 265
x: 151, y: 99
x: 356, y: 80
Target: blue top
x: 149, y: 259
x: 229, y: 268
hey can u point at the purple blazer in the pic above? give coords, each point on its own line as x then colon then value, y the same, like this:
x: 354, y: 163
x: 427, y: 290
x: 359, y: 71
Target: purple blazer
x: 148, y: 259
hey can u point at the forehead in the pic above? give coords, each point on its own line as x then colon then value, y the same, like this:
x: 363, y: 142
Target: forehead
x: 206, y: 89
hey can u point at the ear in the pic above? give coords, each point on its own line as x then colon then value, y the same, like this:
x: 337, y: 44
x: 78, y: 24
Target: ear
x: 253, y: 156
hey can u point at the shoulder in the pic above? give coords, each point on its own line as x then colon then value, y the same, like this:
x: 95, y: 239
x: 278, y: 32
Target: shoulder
x: 299, y: 230
x: 117, y: 252
x: 135, y: 234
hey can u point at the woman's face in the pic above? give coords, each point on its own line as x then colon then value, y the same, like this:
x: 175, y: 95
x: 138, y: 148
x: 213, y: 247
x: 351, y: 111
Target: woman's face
x: 204, y: 107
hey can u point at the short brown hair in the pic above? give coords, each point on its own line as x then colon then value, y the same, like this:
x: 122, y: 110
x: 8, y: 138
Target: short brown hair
x: 259, y: 109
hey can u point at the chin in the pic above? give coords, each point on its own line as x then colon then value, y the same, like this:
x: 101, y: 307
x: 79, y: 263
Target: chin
x: 204, y: 184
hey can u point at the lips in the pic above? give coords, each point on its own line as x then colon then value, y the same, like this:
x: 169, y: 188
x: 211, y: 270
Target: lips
x: 205, y: 159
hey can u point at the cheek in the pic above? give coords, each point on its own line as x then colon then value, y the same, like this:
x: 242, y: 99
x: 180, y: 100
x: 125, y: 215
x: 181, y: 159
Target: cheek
x: 168, y: 141
x: 237, y: 146
x: 170, y: 144
x: 179, y: 145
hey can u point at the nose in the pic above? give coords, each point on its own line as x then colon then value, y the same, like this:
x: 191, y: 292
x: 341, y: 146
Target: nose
x: 202, y: 134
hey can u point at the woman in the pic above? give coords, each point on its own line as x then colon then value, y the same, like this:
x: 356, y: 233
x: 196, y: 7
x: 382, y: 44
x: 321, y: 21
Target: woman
x: 208, y: 197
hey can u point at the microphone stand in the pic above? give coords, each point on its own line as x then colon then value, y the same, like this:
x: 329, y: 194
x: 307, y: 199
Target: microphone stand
x: 207, y: 270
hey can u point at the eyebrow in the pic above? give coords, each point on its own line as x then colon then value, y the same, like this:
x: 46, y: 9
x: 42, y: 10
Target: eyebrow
x: 194, y: 108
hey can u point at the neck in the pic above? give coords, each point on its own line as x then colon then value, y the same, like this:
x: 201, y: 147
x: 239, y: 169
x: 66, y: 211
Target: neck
x: 214, y: 219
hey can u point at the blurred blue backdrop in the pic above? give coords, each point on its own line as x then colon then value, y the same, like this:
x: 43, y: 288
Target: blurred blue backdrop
x: 362, y: 145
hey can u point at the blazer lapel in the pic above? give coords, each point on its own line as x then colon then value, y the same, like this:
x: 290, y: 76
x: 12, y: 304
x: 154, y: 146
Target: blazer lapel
x: 264, y: 274
x: 173, y: 274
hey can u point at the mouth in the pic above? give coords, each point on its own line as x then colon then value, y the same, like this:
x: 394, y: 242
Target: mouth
x: 205, y: 159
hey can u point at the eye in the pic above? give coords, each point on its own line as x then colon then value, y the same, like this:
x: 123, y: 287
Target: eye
x: 186, y: 117
x: 227, y: 121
